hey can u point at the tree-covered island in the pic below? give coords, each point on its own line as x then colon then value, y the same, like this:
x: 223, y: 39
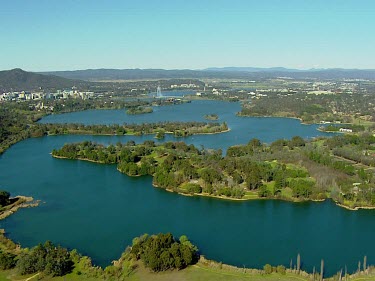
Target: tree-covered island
x: 211, y: 117
x: 139, y: 110
x: 178, y: 129
x: 340, y: 168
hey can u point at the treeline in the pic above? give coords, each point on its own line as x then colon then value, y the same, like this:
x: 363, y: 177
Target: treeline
x: 311, y: 108
x: 163, y: 252
x: 16, y: 123
x: 159, y: 252
x: 358, y: 148
x: 178, y: 129
x: 337, y: 127
x: 287, y: 169
x: 103, y: 102
x: 18, y: 120
x: 46, y: 258
x: 139, y: 110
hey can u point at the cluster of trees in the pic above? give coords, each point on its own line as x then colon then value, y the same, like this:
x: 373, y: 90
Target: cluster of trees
x: 311, y: 108
x: 289, y: 169
x: 139, y: 110
x: 158, y: 252
x: 268, y: 269
x: 184, y: 168
x: 180, y: 129
x: 358, y: 148
x: 211, y: 117
x: 16, y: 123
x: 322, y: 156
x: 7, y: 260
x: 336, y: 128
x: 4, y: 198
x: 162, y: 252
x: 47, y: 258
x: 18, y: 120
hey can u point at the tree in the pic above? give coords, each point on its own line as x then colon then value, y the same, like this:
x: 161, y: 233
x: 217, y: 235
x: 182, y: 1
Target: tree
x: 47, y: 258
x: 7, y: 260
x: 162, y: 252
x: 281, y: 269
x: 254, y: 178
x: 4, y: 198
x: 267, y: 268
x: 58, y: 262
x: 298, y: 262
x: 296, y: 142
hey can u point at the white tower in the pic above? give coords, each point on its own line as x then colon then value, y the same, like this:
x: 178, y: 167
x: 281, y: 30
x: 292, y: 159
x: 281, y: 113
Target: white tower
x: 158, y: 92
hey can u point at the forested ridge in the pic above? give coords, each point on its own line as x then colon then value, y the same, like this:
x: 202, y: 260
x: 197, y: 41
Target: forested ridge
x: 311, y: 108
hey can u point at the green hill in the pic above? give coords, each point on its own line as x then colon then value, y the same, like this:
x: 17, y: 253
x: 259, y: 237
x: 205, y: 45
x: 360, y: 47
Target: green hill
x: 20, y: 80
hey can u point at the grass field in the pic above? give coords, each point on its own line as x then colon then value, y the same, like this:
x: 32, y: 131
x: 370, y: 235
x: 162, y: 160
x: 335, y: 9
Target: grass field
x: 197, y: 272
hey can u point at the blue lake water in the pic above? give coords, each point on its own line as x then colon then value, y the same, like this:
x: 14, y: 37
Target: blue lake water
x: 96, y: 209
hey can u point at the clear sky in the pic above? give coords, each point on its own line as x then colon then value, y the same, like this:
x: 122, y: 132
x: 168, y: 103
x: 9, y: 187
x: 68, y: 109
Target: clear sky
x: 43, y: 35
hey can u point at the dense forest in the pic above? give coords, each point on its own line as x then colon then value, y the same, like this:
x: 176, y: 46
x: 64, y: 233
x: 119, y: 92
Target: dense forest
x: 313, y: 108
x: 340, y: 168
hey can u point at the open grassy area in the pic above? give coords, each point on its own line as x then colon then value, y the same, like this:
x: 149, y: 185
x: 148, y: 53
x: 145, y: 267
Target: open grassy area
x: 206, y: 271
x: 202, y: 273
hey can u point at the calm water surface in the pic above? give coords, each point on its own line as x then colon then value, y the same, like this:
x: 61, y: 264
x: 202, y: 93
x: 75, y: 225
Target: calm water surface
x: 98, y: 210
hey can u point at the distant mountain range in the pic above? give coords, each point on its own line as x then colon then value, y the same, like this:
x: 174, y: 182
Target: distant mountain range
x: 225, y: 72
x: 253, y: 69
x: 20, y: 80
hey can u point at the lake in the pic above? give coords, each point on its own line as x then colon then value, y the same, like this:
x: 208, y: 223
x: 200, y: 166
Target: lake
x: 96, y: 209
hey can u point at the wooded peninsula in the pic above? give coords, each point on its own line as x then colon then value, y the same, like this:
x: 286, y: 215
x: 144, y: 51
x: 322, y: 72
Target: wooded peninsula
x: 340, y: 168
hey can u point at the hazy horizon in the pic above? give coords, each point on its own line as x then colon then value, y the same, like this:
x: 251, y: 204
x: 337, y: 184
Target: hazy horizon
x: 202, y: 69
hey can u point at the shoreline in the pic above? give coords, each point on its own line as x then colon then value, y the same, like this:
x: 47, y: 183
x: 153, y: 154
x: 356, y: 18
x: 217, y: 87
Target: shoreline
x: 262, y: 198
x: 357, y: 208
x: 81, y: 159
x: 292, y: 200
x: 135, y: 134
x: 297, y: 118
x: 22, y: 202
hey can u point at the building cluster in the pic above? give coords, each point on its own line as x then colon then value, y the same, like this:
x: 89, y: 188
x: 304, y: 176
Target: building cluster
x: 188, y: 86
x: 344, y: 130
x: 24, y: 96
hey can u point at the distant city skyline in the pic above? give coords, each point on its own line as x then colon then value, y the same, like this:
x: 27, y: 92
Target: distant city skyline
x: 72, y: 35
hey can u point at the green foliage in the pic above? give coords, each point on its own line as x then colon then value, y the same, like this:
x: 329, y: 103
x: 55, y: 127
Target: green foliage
x: 4, y: 198
x: 301, y: 187
x: 286, y: 169
x: 7, y: 260
x: 281, y: 269
x: 267, y: 269
x: 139, y: 110
x: 296, y: 141
x: 193, y: 188
x: 47, y: 258
x: 162, y: 252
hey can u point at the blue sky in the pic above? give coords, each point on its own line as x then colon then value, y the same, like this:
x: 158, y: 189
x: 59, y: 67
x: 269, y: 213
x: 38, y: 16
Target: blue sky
x: 43, y: 35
